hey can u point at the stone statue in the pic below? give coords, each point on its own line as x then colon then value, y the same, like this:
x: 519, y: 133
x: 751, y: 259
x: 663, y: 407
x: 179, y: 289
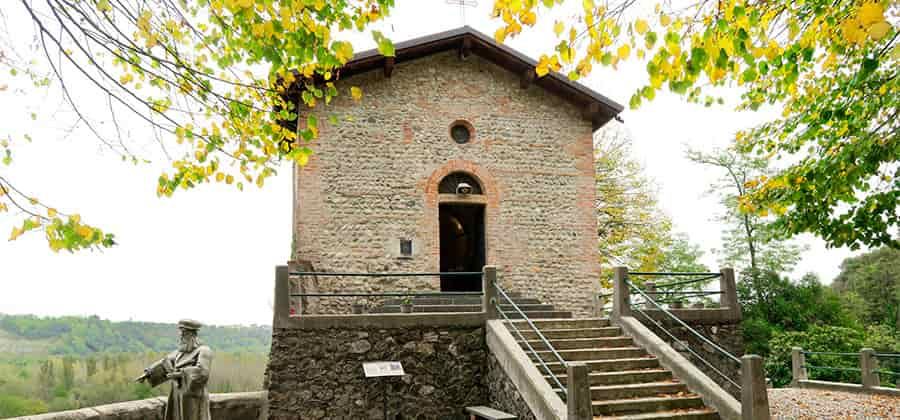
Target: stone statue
x: 188, y: 369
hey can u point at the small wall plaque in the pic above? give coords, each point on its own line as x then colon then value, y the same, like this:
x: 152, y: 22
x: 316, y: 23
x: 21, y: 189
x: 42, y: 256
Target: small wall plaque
x: 376, y: 369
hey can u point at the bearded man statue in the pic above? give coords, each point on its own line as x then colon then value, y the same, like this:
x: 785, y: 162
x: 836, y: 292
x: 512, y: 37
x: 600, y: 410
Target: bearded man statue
x: 188, y: 370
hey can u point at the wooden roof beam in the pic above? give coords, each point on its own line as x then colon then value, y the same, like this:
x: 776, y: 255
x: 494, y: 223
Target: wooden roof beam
x: 465, y: 48
x: 527, y: 78
x: 388, y: 66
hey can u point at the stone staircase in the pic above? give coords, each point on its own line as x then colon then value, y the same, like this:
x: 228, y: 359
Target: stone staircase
x: 626, y: 381
x: 533, y: 308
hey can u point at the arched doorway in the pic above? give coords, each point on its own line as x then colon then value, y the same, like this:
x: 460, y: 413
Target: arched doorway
x: 462, y: 232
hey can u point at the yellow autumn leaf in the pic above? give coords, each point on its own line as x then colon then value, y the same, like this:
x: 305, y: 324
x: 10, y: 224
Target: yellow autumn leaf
x: 878, y: 30
x: 528, y: 18
x: 220, y: 177
x: 51, y: 212
x: 664, y: 20
x: 84, y: 231
x: 104, y: 6
x: 500, y: 35
x: 16, y: 232
x: 641, y: 26
x: 229, y: 179
x: 303, y: 159
x: 623, y: 52
x: 558, y: 28
x: 356, y: 93
x: 871, y: 13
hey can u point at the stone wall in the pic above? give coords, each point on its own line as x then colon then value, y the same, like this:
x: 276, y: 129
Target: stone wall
x: 502, y: 392
x: 234, y: 406
x: 727, y: 334
x: 318, y: 374
x: 373, y: 178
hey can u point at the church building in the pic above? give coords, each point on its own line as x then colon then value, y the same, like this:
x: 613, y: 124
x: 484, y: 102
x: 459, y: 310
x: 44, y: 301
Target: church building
x: 457, y: 156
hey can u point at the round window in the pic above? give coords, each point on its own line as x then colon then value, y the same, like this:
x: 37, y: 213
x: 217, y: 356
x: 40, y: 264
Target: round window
x: 461, y: 132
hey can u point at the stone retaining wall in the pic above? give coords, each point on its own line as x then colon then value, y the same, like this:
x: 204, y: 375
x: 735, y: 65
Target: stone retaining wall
x: 502, y: 392
x: 317, y: 373
x: 234, y: 406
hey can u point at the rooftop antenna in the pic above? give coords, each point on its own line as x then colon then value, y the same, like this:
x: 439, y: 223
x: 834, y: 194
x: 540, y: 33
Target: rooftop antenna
x: 462, y: 7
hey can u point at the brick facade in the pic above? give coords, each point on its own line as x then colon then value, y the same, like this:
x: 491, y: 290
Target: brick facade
x: 373, y: 179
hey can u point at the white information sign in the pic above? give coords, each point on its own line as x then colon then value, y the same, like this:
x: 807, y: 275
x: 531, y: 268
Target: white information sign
x: 375, y: 369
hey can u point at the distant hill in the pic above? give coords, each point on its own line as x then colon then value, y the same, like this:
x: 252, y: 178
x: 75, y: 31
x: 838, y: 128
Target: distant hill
x: 75, y: 335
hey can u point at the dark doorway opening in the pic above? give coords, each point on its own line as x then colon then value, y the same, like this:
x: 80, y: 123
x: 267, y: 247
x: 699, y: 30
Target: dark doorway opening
x: 462, y: 246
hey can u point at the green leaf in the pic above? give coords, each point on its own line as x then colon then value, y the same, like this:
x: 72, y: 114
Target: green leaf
x: 868, y: 66
x: 606, y: 59
x: 385, y: 46
x: 635, y: 101
x: 749, y: 75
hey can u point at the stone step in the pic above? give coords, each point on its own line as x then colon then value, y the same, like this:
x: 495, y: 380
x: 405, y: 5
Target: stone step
x: 529, y: 334
x: 625, y: 391
x: 540, y: 311
x: 590, y: 354
x: 623, y: 377
x: 535, y: 316
x: 557, y: 324
x: 455, y: 300
x: 393, y: 309
x: 579, y: 343
x: 689, y: 414
x: 612, y: 365
x: 645, y: 405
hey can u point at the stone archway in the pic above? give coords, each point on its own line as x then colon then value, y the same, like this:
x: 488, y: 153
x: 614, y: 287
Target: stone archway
x: 473, y: 215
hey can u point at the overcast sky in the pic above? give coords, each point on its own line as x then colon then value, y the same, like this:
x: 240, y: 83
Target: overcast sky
x: 210, y: 253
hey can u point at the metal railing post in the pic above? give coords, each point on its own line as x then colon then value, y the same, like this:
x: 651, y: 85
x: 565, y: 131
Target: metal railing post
x: 754, y: 395
x: 489, y: 286
x: 579, y: 392
x: 621, y: 293
x: 729, y: 291
x: 868, y: 365
x: 798, y: 367
x: 282, y: 296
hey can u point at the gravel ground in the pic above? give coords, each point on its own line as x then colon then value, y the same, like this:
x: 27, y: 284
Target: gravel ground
x: 792, y: 403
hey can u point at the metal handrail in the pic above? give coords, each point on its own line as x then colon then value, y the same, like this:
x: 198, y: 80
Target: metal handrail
x: 826, y: 353
x: 680, y: 322
x: 388, y: 294
x: 681, y: 274
x: 329, y: 274
x: 539, y: 334
x: 707, y: 276
x: 686, y: 292
x: 892, y: 355
x: 838, y: 369
x: 887, y: 372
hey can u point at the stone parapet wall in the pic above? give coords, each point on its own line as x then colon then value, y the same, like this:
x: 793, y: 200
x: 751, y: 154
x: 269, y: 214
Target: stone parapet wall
x: 728, y: 334
x: 317, y: 373
x: 233, y: 406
